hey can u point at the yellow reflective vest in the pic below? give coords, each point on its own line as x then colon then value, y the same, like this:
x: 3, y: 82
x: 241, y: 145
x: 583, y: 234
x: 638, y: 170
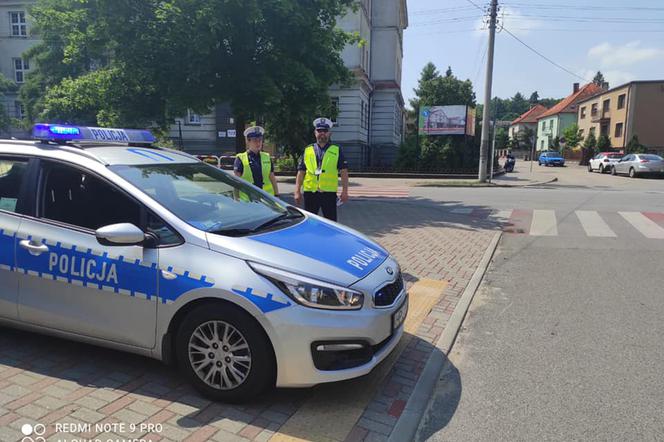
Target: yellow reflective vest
x: 266, y: 167
x: 327, y: 178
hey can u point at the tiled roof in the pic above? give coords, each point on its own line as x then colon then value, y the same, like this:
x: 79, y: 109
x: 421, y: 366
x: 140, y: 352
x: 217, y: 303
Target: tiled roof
x: 568, y: 105
x: 531, y: 115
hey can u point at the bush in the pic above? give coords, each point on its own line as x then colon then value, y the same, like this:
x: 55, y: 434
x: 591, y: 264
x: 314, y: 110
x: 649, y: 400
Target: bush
x: 285, y: 164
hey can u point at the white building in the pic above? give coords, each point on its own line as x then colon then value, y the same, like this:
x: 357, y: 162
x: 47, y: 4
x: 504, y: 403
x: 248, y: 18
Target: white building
x: 15, y: 38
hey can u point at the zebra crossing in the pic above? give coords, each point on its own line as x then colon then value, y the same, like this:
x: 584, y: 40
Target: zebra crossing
x: 589, y: 223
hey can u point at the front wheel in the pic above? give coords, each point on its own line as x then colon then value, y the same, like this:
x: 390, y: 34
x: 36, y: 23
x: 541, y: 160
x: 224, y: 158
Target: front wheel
x: 632, y: 172
x: 590, y: 168
x: 613, y: 171
x: 224, y: 353
x: 601, y: 169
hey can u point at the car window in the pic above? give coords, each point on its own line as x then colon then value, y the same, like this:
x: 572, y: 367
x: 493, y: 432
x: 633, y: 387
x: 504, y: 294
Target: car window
x: 650, y: 157
x: 75, y: 197
x: 614, y: 155
x: 205, y: 197
x: 12, y: 174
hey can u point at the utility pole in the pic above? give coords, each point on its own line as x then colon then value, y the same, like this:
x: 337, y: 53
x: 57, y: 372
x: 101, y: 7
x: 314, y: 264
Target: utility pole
x: 484, y: 146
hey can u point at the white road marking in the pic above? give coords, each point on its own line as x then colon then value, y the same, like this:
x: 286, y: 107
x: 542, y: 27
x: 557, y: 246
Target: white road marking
x: 594, y: 225
x: 648, y: 228
x: 544, y: 223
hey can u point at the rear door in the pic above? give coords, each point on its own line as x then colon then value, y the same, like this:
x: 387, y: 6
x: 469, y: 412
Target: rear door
x: 71, y: 282
x: 14, y: 173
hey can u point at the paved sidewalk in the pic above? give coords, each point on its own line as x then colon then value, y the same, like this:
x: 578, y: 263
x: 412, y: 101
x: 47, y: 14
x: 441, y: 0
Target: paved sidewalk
x: 55, y: 382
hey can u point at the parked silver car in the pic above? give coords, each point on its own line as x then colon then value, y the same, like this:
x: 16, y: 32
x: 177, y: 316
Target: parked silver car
x: 636, y: 164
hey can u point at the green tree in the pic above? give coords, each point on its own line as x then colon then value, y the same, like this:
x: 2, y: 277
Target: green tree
x: 588, y: 149
x: 634, y: 146
x: 525, y: 138
x: 157, y: 58
x: 603, y: 143
x: 5, y: 87
x: 534, y: 98
x: 572, y: 136
x: 598, y: 79
x: 502, y: 139
x: 518, y: 104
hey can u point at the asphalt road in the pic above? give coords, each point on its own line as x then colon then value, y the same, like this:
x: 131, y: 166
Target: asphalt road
x: 564, y: 339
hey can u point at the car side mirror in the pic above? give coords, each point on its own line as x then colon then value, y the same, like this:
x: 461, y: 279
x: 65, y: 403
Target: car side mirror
x: 123, y: 234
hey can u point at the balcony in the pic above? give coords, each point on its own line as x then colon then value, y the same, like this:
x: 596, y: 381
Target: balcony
x: 600, y: 115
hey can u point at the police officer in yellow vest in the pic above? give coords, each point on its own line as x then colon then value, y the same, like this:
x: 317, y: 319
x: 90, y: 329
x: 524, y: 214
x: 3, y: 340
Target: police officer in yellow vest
x: 318, y: 173
x: 254, y: 165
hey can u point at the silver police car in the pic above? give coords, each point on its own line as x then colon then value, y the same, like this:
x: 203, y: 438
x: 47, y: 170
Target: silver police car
x: 107, y: 239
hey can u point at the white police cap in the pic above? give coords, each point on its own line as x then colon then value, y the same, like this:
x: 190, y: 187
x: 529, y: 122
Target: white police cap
x: 323, y: 123
x: 254, y: 132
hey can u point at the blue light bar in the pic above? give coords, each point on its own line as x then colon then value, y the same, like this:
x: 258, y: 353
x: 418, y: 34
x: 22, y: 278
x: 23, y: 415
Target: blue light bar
x: 64, y: 132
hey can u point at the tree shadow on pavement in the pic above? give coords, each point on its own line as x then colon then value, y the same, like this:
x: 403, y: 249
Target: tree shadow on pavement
x: 443, y: 404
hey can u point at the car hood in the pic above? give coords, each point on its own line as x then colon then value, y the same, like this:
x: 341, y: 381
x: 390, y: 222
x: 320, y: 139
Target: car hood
x: 314, y: 247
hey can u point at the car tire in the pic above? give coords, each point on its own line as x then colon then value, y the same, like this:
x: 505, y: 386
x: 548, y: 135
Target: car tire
x: 601, y: 169
x: 206, y: 358
x: 632, y: 172
x: 539, y: 163
x: 590, y: 167
x: 613, y: 171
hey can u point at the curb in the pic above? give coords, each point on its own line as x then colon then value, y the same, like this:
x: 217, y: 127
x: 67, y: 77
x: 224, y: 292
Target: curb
x: 539, y: 183
x: 409, y: 421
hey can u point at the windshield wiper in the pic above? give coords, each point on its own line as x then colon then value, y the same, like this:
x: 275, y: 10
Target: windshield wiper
x: 277, y: 219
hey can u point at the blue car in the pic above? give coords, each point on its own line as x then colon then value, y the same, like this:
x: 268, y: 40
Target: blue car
x: 551, y: 159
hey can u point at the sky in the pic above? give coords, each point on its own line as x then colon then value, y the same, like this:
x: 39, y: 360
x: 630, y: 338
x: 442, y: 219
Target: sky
x: 623, y: 39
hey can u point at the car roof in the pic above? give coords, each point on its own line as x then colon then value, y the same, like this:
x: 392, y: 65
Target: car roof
x: 106, y: 153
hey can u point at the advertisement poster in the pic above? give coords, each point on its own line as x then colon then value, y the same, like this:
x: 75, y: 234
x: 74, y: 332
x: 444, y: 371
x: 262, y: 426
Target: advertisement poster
x: 444, y: 120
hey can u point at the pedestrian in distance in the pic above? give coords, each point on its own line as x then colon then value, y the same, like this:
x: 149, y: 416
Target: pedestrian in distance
x: 318, y: 173
x: 254, y: 165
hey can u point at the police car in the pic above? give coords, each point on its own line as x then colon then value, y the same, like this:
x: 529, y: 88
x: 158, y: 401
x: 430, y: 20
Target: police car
x: 107, y: 239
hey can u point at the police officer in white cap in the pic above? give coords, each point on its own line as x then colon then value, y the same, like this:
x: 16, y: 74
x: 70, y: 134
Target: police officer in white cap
x: 318, y: 173
x: 254, y: 165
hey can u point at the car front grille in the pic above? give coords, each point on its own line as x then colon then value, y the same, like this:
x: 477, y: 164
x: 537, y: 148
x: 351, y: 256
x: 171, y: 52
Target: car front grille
x: 386, y: 295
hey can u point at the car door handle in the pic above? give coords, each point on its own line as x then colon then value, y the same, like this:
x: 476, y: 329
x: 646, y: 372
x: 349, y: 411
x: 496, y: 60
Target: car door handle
x: 34, y: 249
x: 168, y: 275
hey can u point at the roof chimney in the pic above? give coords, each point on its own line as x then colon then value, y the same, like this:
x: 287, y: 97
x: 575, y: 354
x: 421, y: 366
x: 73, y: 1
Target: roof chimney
x: 576, y: 87
x: 605, y: 86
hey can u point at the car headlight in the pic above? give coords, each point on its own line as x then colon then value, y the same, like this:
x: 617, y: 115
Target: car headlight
x: 310, y: 292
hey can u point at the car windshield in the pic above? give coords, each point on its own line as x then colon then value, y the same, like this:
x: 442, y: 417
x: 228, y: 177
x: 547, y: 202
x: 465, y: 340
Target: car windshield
x: 553, y: 154
x: 651, y: 157
x: 208, y: 198
x: 614, y: 155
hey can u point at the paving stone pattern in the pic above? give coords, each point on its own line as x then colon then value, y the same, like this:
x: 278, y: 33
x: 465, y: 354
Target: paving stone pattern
x: 51, y: 381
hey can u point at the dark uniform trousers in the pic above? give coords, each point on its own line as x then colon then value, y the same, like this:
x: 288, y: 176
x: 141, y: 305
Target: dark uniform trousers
x: 327, y: 201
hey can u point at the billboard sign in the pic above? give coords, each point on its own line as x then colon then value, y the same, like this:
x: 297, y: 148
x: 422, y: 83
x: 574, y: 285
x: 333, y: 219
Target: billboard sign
x: 446, y: 120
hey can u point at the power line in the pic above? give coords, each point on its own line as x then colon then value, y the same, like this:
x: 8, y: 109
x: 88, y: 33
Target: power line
x: 543, y: 56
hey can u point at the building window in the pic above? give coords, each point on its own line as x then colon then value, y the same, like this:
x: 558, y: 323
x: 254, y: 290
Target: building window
x: 397, y: 120
x: 593, y: 110
x: 17, y: 24
x: 550, y: 124
x: 621, y: 101
x: 583, y: 112
x: 193, y: 118
x: 362, y: 114
x: 619, y: 130
x: 592, y: 131
x: 334, y: 105
x: 19, y: 110
x: 20, y: 68
x: 606, y: 105
x: 581, y: 133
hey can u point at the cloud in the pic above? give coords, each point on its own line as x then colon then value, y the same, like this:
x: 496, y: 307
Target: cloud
x: 628, y: 54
